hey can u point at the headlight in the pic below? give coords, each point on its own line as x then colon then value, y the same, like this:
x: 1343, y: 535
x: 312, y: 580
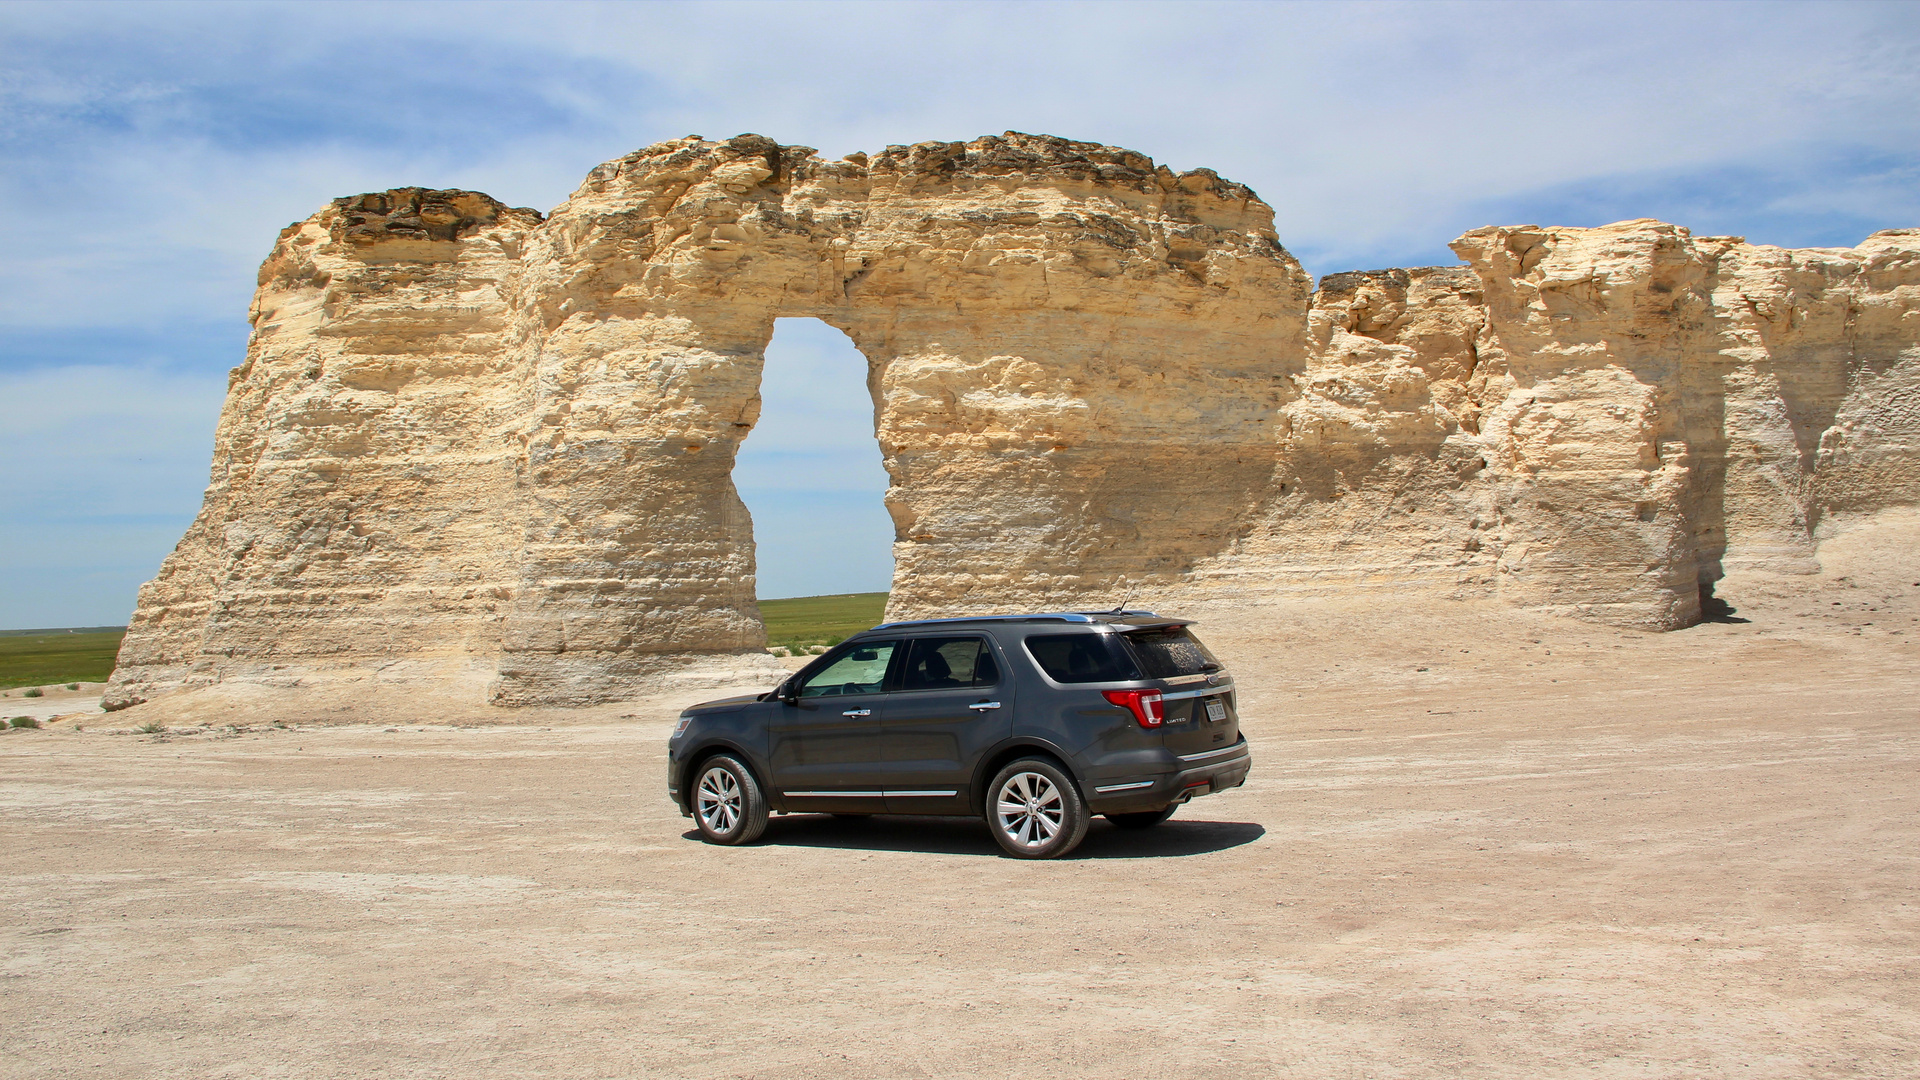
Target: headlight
x: 680, y: 728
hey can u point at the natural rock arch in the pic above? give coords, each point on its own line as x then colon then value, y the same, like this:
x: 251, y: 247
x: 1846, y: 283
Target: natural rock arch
x: 469, y: 442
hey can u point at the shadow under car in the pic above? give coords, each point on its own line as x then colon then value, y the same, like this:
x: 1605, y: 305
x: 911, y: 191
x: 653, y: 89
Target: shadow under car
x: 969, y: 836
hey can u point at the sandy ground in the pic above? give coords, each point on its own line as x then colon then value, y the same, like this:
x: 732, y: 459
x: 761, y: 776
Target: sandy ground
x: 54, y: 700
x: 1475, y: 843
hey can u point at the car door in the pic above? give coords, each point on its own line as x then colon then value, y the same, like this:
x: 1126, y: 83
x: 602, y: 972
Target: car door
x: 951, y: 702
x: 824, y: 747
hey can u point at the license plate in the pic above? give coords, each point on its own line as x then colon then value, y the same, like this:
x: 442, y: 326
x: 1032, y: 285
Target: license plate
x: 1216, y: 710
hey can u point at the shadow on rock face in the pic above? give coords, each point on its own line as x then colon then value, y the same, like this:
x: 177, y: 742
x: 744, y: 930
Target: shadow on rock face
x: 1715, y: 610
x: 969, y: 836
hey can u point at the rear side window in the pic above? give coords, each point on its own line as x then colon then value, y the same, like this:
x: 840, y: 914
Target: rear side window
x: 1169, y: 653
x: 1080, y: 658
x: 949, y: 663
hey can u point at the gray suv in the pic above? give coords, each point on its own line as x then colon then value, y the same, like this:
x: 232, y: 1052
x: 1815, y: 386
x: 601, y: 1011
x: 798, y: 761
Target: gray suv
x: 1034, y: 722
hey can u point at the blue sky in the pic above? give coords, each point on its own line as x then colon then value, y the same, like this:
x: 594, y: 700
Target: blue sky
x: 149, y: 153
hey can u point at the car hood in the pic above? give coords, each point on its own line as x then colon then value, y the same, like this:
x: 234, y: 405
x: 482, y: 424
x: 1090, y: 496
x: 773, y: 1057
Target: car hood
x: 720, y: 705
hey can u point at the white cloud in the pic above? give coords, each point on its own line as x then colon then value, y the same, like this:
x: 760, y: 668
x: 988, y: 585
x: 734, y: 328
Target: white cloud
x: 1368, y: 127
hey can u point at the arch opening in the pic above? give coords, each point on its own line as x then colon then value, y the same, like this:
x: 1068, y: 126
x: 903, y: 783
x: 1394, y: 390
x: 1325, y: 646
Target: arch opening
x: 810, y: 471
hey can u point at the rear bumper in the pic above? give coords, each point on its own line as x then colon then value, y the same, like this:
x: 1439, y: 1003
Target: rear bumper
x: 1201, y: 774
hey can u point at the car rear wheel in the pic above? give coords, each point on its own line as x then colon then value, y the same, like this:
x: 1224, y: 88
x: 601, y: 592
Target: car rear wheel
x: 1034, y: 810
x: 728, y: 807
x: 1144, y: 819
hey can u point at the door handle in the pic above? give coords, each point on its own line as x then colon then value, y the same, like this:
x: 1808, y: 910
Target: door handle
x: 858, y: 712
x: 983, y: 706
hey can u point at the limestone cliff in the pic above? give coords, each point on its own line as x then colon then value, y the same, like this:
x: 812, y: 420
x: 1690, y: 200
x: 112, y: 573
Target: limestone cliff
x: 469, y: 440
x: 360, y: 510
x: 1595, y: 421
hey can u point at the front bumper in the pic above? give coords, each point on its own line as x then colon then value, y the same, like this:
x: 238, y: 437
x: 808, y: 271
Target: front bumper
x: 1201, y: 774
x: 673, y: 784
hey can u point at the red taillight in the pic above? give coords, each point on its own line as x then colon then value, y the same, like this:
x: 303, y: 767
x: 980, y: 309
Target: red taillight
x: 1143, y: 704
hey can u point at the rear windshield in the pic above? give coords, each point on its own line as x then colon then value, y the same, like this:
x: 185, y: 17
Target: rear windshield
x: 1081, y: 658
x: 1170, y: 652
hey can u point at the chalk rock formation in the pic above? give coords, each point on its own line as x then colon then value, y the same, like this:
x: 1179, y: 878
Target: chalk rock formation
x: 1043, y: 318
x: 359, y: 510
x: 469, y: 440
x: 1594, y: 421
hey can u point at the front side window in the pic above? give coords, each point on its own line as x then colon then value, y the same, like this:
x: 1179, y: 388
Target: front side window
x: 860, y: 670
x: 949, y: 663
x: 1080, y: 658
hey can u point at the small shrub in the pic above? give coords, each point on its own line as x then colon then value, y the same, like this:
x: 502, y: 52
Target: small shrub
x: 151, y: 727
x: 73, y: 686
x: 32, y: 691
x: 23, y: 721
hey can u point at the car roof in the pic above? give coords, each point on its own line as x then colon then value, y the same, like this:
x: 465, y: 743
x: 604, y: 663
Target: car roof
x: 1119, y: 619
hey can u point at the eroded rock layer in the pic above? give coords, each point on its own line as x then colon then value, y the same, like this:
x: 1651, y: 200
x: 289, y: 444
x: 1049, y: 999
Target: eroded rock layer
x: 469, y: 441
x: 1595, y: 421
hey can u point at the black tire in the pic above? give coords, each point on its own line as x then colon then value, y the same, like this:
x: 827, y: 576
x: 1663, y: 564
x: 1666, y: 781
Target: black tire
x: 1034, y: 811
x: 1144, y: 819
x: 728, y: 806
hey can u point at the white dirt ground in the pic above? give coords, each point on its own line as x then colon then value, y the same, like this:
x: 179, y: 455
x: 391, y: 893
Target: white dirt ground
x: 1475, y: 843
x: 54, y: 700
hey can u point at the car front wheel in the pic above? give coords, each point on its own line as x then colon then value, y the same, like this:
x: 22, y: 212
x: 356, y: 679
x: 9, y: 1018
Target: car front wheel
x: 728, y: 807
x: 1034, y: 810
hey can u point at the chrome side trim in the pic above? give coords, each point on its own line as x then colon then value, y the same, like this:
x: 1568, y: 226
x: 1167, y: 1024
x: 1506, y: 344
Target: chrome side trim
x: 1176, y: 695
x: 1234, y: 749
x: 869, y: 794
x: 1123, y: 787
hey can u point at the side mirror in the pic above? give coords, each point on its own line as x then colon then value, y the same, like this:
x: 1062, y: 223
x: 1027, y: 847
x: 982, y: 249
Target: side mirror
x: 788, y: 692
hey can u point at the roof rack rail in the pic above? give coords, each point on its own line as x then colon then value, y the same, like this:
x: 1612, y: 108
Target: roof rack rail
x: 1045, y: 616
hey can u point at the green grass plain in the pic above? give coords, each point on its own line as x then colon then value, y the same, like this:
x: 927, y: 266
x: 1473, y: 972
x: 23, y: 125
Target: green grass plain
x: 43, y: 659
x: 821, y: 620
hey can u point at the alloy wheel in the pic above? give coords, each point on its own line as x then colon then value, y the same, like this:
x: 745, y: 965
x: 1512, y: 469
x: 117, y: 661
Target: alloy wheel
x: 1030, y: 810
x: 718, y: 800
